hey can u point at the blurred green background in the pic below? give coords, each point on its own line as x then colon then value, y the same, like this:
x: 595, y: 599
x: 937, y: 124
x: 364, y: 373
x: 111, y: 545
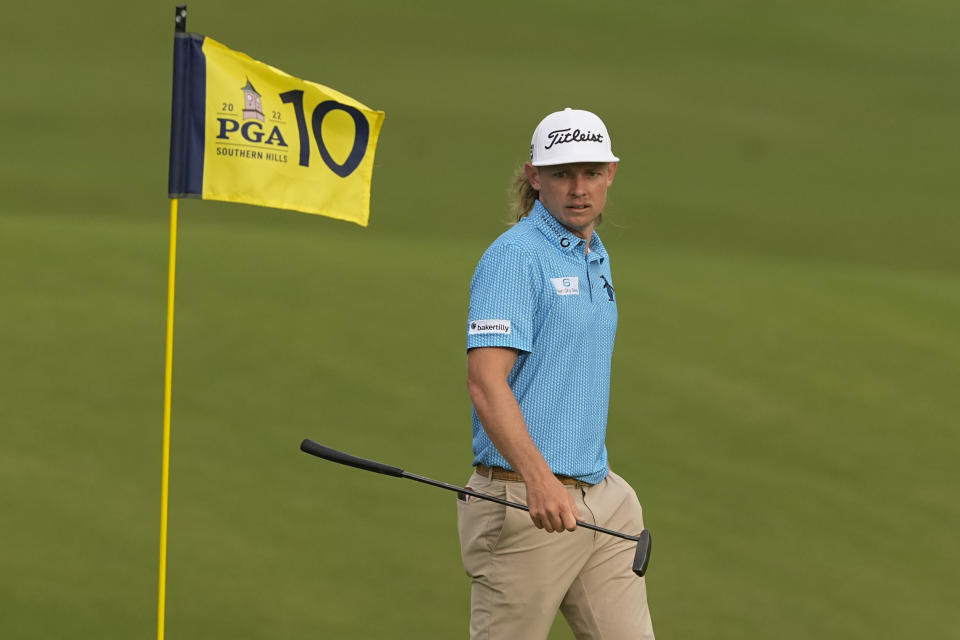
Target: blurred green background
x: 786, y: 249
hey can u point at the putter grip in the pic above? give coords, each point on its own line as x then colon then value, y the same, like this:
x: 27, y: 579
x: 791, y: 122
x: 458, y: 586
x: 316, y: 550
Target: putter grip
x: 317, y: 449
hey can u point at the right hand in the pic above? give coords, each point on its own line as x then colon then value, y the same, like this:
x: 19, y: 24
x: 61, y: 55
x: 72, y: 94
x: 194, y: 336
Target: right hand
x: 552, y: 507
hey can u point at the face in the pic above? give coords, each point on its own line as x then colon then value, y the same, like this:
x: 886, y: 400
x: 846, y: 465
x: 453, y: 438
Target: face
x: 574, y: 194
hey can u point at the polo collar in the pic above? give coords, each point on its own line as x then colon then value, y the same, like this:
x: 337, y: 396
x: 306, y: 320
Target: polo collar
x: 562, y: 238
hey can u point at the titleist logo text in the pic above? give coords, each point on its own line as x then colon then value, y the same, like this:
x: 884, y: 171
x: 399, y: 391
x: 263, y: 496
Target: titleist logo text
x: 562, y: 136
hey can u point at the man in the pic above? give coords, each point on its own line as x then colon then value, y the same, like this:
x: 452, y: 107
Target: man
x: 542, y: 319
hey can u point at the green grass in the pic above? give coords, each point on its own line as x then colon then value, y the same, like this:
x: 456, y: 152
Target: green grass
x: 785, y: 244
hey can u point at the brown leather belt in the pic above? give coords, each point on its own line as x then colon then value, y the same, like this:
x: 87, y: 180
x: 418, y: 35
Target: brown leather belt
x: 498, y: 473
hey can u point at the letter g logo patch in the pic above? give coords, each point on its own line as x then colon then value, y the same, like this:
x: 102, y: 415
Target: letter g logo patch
x: 566, y: 286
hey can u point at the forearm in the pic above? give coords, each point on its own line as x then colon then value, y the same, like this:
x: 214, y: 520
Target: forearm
x: 504, y: 424
x: 551, y: 505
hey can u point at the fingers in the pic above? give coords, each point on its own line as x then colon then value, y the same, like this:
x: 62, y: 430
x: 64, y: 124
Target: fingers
x: 553, y: 522
x: 570, y: 517
x: 553, y: 508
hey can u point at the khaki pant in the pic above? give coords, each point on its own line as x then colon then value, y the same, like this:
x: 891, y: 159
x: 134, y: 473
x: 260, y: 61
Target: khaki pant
x: 521, y: 575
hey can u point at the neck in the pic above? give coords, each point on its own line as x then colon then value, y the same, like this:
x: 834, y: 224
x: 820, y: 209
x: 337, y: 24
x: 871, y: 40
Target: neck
x: 584, y: 234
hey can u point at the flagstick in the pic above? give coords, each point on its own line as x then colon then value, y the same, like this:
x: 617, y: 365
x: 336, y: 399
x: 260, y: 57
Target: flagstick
x: 167, y: 387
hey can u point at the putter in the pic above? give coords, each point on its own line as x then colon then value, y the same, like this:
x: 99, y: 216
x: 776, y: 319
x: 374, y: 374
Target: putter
x: 640, y: 559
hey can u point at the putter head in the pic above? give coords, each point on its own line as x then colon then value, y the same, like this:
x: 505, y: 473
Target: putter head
x: 642, y: 557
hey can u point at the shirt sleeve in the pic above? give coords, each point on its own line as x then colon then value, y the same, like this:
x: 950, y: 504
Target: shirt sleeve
x: 503, y: 300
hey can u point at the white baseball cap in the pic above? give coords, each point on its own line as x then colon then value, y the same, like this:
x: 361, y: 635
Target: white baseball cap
x: 571, y: 135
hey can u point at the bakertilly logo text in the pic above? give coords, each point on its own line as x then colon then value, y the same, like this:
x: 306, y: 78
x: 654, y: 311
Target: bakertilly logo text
x: 490, y: 326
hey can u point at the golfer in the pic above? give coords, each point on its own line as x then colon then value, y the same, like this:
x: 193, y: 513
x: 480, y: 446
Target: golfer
x: 540, y: 334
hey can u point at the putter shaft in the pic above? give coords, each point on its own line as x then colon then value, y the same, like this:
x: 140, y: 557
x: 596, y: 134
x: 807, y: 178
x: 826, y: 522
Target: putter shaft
x: 641, y: 556
x: 508, y: 503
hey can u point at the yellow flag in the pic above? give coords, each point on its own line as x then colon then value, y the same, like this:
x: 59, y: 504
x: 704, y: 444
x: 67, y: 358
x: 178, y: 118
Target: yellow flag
x: 244, y: 131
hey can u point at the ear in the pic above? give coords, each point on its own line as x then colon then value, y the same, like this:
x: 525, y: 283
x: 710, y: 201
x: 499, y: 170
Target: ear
x: 612, y: 170
x: 533, y: 175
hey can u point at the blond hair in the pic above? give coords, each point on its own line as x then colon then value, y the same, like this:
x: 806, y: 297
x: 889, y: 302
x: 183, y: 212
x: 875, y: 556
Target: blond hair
x: 522, y: 195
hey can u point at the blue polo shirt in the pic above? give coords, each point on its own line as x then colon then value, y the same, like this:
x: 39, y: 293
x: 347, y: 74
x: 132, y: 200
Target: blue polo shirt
x: 536, y: 290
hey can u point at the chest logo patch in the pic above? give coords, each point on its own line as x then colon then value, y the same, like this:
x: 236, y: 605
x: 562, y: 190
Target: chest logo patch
x: 566, y: 286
